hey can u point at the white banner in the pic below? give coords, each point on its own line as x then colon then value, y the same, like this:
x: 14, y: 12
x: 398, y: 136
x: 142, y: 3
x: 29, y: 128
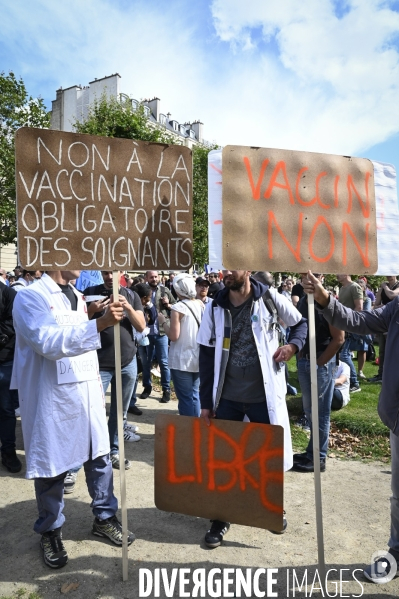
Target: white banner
x: 386, y: 199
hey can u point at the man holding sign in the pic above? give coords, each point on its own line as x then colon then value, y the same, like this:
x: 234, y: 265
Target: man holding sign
x: 382, y: 320
x: 62, y: 405
x: 241, y: 364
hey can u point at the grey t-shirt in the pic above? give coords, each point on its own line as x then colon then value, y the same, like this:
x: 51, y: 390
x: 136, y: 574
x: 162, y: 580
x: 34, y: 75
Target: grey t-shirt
x: 243, y: 379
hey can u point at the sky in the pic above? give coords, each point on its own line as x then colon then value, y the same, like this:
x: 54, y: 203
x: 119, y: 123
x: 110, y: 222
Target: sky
x: 319, y: 75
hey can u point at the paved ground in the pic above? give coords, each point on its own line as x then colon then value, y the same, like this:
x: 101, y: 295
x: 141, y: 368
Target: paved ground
x: 356, y: 524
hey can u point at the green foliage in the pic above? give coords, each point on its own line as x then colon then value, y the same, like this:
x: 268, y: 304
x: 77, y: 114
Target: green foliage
x: 17, y: 109
x: 111, y: 118
x: 200, y: 204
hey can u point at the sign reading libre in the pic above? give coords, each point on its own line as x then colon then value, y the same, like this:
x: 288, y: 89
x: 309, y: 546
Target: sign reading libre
x: 229, y: 471
x: 296, y: 210
x: 99, y: 203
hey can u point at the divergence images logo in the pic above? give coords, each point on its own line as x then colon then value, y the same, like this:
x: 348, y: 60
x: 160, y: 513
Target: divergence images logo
x: 383, y: 563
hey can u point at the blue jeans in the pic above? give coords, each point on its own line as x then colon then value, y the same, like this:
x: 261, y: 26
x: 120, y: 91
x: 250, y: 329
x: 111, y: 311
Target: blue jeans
x: 50, y: 495
x: 345, y: 356
x: 236, y: 410
x: 129, y: 375
x: 8, y: 405
x: 187, y: 391
x: 325, y: 390
x: 159, y: 344
x: 133, y: 399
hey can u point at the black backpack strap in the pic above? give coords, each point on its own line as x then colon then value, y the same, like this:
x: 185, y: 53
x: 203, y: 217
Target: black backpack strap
x: 271, y: 306
x: 212, y: 339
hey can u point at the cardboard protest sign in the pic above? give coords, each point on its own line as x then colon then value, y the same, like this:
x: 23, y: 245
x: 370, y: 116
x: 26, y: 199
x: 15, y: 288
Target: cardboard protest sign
x: 298, y: 210
x: 229, y: 471
x: 93, y: 203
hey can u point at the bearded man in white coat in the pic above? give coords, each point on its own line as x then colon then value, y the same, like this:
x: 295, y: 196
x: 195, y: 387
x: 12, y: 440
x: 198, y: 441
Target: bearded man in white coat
x: 62, y: 405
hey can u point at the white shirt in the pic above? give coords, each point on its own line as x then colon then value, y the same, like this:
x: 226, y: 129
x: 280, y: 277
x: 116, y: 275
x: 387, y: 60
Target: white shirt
x: 343, y: 368
x: 60, y: 422
x: 184, y: 353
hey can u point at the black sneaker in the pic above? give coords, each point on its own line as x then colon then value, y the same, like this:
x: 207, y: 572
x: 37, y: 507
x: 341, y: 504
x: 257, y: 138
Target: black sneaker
x: 10, y: 460
x: 165, y: 397
x: 285, y: 524
x: 111, y: 528
x: 300, y: 457
x: 215, y: 534
x: 115, y: 461
x: 303, y: 423
x: 54, y: 553
x: 354, y: 389
x: 146, y: 392
x: 134, y: 410
x: 382, y: 570
x: 375, y: 379
x: 308, y: 466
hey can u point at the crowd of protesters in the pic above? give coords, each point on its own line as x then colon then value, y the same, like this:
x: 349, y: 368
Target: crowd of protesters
x: 223, y: 339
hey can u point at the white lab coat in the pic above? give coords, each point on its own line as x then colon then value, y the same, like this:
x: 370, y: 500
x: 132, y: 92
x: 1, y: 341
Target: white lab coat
x: 266, y: 339
x: 61, y: 423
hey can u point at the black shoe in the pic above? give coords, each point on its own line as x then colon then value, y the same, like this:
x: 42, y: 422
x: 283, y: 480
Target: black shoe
x: 54, y: 553
x: 115, y: 461
x: 380, y: 571
x: 10, y: 460
x: 134, y: 410
x: 375, y: 379
x: 303, y: 423
x: 111, y: 528
x: 165, y: 397
x: 308, y: 466
x: 215, y: 534
x: 354, y: 389
x: 281, y: 532
x: 146, y: 392
x: 300, y: 457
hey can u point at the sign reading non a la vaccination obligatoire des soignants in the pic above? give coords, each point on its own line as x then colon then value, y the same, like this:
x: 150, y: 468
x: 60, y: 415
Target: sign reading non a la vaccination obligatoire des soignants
x: 88, y: 202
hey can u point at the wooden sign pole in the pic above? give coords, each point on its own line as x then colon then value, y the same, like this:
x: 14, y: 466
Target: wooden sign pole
x: 316, y: 441
x: 118, y: 380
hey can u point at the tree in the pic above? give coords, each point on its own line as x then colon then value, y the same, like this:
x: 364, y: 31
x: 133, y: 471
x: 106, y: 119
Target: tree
x: 17, y: 109
x: 111, y: 118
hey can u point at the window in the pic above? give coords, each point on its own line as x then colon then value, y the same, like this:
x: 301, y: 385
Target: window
x: 162, y: 119
x: 183, y: 130
x: 192, y: 134
x: 135, y: 104
x: 147, y: 111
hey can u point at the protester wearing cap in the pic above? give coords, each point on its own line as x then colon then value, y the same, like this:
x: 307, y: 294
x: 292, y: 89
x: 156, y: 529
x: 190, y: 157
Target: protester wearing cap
x: 182, y: 330
x: 202, y: 287
x: 215, y: 285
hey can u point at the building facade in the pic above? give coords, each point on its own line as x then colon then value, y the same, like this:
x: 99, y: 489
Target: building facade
x: 72, y: 105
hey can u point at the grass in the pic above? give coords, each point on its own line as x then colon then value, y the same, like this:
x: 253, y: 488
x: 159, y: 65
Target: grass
x: 21, y: 594
x: 356, y: 429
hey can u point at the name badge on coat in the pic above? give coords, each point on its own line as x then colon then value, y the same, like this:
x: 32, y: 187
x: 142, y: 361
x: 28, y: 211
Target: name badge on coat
x: 79, y: 368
